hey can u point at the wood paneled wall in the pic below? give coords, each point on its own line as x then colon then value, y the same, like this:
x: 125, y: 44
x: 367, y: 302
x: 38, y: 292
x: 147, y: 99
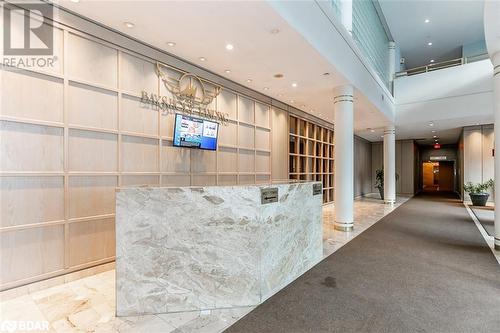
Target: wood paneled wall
x: 72, y: 134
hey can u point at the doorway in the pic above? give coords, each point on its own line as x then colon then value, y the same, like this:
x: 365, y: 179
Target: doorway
x: 438, y: 176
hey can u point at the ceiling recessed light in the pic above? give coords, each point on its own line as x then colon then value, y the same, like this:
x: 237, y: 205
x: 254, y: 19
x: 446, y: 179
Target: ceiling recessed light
x: 274, y: 31
x: 170, y: 43
x: 227, y: 71
x: 249, y: 80
x: 435, y: 136
x: 278, y: 76
x: 75, y: 1
x: 381, y: 136
x: 229, y: 47
x: 280, y: 95
x: 292, y: 101
x: 430, y: 43
x: 326, y: 73
x: 431, y: 124
x: 266, y: 88
x: 372, y: 130
x: 427, y: 20
x: 294, y: 85
x: 203, y: 59
x: 129, y: 24
x: 433, y: 131
x: 432, y: 60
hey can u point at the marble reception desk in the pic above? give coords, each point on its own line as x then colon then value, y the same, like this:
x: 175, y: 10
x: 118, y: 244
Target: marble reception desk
x: 198, y: 248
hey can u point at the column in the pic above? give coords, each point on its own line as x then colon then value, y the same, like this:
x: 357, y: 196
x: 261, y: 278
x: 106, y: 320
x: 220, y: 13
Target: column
x: 496, y: 111
x: 390, y: 165
x: 392, y: 65
x: 346, y: 13
x: 344, y: 157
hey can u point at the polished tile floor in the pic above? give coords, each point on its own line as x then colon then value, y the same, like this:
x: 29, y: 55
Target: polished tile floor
x: 88, y: 304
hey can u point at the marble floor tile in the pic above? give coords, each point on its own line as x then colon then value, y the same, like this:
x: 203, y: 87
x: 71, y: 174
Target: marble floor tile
x: 88, y: 304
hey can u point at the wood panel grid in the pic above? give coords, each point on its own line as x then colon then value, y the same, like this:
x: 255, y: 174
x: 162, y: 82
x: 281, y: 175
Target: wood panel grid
x: 83, y: 236
x: 311, y: 154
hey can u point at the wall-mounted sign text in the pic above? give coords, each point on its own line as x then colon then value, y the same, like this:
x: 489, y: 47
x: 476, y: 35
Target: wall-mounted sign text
x: 438, y: 158
x: 189, y: 96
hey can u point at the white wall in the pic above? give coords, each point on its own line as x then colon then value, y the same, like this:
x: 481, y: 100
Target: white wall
x: 478, y: 143
x: 461, y: 96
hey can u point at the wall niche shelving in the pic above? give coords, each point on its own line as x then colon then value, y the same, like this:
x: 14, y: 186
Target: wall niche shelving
x: 311, y: 154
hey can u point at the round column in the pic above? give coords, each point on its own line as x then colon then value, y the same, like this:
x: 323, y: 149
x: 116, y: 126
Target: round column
x: 390, y: 165
x: 344, y: 160
x: 392, y: 64
x: 496, y: 111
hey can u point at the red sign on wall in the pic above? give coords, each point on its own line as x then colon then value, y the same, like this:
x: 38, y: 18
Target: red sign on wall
x: 437, y: 146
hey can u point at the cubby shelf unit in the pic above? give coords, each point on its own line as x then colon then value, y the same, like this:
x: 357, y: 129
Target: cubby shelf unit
x: 312, y: 154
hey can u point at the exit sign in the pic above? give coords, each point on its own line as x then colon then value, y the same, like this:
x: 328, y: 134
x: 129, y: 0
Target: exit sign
x: 437, y: 146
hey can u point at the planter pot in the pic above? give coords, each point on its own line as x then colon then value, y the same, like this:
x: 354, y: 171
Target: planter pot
x: 479, y: 199
x: 381, y: 191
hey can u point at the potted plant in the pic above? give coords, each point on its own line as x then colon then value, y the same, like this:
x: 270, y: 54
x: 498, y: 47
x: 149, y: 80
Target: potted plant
x: 379, y: 181
x: 477, y: 192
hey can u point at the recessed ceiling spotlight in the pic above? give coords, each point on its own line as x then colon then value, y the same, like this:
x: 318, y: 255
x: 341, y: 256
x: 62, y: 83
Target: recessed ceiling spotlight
x: 294, y: 85
x: 171, y: 44
x: 292, y: 101
x: 229, y: 47
x: 431, y: 124
x: 433, y: 131
x: 435, y: 136
x: 75, y: 1
x: 427, y: 20
x: 129, y: 24
x: 278, y: 76
x: 432, y: 60
x: 430, y: 43
x: 227, y: 71
x: 280, y: 95
x: 266, y: 88
x: 203, y: 59
x: 372, y: 130
x: 326, y: 74
x: 249, y: 80
x: 274, y: 31
x: 381, y: 136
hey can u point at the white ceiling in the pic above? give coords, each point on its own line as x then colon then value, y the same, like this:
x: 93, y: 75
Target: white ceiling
x: 452, y: 23
x: 203, y: 28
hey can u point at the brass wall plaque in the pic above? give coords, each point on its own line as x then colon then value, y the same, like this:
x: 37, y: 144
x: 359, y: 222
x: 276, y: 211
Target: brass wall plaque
x: 268, y: 195
x: 317, y: 189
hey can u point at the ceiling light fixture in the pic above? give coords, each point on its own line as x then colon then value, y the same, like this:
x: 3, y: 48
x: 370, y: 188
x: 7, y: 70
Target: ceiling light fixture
x: 427, y: 20
x: 229, y: 47
x: 274, y: 31
x: 278, y: 76
x: 227, y: 71
x: 129, y: 24
x: 294, y: 85
x: 432, y: 60
x: 433, y: 131
x: 430, y: 43
x: 203, y: 59
x: 435, y: 136
x: 326, y: 74
x: 292, y: 101
x: 171, y: 44
x: 75, y: 1
x: 249, y: 80
x: 431, y: 124
x: 372, y: 130
x: 266, y: 88
x: 280, y: 95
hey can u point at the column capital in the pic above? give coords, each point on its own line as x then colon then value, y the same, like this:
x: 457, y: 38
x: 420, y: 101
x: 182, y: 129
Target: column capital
x: 343, y: 93
x: 495, y: 59
x: 389, y: 129
x: 392, y: 45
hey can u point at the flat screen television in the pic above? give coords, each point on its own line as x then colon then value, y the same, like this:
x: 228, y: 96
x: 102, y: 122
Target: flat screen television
x: 194, y: 132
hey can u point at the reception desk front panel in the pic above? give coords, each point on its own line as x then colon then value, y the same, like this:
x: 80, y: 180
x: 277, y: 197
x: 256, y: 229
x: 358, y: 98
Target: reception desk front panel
x: 195, y: 248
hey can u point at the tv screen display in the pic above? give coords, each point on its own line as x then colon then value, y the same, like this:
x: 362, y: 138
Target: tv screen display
x: 194, y: 132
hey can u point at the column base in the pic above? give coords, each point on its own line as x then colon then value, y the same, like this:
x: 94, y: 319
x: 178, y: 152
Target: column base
x: 390, y: 201
x: 496, y: 243
x: 343, y: 226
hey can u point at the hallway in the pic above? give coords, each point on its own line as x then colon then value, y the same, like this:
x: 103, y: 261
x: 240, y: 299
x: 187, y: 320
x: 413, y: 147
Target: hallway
x: 422, y: 268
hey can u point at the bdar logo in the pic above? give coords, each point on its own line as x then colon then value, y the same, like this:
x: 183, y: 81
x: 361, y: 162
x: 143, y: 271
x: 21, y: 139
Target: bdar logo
x: 25, y: 30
